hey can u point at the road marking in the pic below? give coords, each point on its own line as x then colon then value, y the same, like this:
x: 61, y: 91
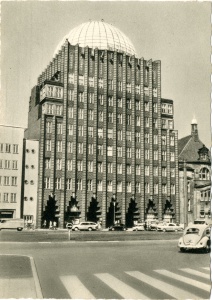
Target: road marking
x: 202, y: 286
x: 168, y: 289
x: 206, y: 268
x: 120, y: 287
x: 194, y: 272
x: 44, y: 242
x: 75, y: 288
x: 36, y: 279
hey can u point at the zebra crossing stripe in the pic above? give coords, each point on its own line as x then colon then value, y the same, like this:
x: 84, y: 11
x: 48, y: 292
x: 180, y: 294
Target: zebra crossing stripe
x: 75, y: 288
x: 203, y: 286
x: 194, y: 272
x: 120, y: 287
x: 168, y: 289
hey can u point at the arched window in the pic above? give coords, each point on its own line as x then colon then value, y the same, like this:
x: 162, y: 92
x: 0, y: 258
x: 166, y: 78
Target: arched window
x: 204, y: 174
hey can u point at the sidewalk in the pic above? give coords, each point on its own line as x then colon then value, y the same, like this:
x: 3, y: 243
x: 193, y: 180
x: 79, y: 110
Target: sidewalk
x: 18, y: 278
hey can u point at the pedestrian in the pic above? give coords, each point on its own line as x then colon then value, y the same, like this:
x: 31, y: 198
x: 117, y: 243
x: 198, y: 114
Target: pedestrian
x: 44, y: 224
x: 54, y: 225
x: 50, y: 225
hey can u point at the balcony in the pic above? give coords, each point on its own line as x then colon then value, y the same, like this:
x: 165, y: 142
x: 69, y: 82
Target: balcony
x: 51, y: 91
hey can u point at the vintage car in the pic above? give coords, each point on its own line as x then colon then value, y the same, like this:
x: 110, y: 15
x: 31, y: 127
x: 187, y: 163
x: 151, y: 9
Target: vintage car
x: 169, y: 227
x: 195, y: 236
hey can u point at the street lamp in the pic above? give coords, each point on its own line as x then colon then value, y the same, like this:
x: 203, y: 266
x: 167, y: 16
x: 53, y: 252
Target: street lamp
x: 114, y: 208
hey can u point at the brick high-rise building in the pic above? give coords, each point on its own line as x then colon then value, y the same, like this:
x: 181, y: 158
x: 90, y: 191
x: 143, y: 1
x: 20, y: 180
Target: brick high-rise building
x: 107, y: 144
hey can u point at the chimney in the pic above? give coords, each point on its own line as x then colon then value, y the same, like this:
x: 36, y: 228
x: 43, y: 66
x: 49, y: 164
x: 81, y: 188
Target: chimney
x: 194, y: 130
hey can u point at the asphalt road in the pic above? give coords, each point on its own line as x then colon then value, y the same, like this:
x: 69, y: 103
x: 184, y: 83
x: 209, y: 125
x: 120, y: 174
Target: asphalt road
x: 138, y: 269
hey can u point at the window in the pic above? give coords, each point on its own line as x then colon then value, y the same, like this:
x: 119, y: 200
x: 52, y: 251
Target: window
x: 80, y: 130
x: 137, y: 137
x: 163, y: 108
x: 137, y: 104
x: 119, y: 168
x: 119, y: 118
x: 14, y: 164
x: 47, y: 182
x: 81, y: 80
x: 109, y: 186
x: 164, y: 189
x: 204, y: 174
x: 119, y: 102
x: 100, y: 132
x: 110, y: 84
x: 70, y: 112
x: 100, y: 113
x: 99, y: 185
x: 70, y: 147
x: 8, y: 148
x: 49, y: 127
x: 147, y: 154
x: 129, y: 152
x: 80, y: 113
x: 170, y: 109
x: 110, y: 134
x: 71, y: 78
x: 129, y: 169
x: 155, y: 139
x: 120, y: 86
x: 170, y: 124
x: 14, y: 181
x: 1, y: 163
x: 137, y: 187
x: 155, y: 188
x: 155, y: 92
x: 7, y: 164
x: 119, y: 151
x: 59, y: 110
x: 6, y: 197
x: 146, y: 106
x: 59, y: 128
x: 172, y: 156
x: 128, y: 136
x: 137, y: 120
x: 137, y: 89
x: 119, y: 186
x: 79, y: 184
x: 69, y: 184
x: 91, y: 98
x: 164, y: 155
x: 147, y: 170
x: 164, y: 171
x: 128, y: 104
x: 146, y: 188
x: 172, y: 172
x: 1, y: 147
x: 163, y: 123
x: 70, y: 129
x: 155, y: 171
x: 128, y: 187
x: 173, y: 189
x: 58, y: 164
x: 99, y: 166
x: 71, y: 95
x: 128, y: 87
x: 90, y: 166
x: 137, y: 153
x: 90, y: 115
x: 109, y: 151
x: 100, y: 150
x: 81, y: 97
x: 91, y: 81
x: 13, y: 198
x: 69, y: 165
x: 59, y: 146
x: 171, y: 140
x: 6, y: 180
x: 128, y: 119
x: 100, y: 83
x: 50, y: 109
x: 155, y: 107
x: 110, y: 168
x: 90, y: 131
x: 79, y: 165
x: 100, y: 99
x: 146, y: 121
x: 119, y: 135
x: 138, y: 170
x: 89, y: 185
x: 155, y: 123
x: 146, y: 91
x: 146, y: 138
x: 110, y: 101
x: 90, y: 149
x: 15, y: 148
x: 163, y: 138
x: 110, y: 117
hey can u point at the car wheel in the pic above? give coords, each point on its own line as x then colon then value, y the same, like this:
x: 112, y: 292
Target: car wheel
x: 112, y: 229
x: 19, y: 229
x: 164, y: 230
x: 182, y: 249
x: 207, y: 248
x: 76, y: 228
x: 136, y: 229
x: 176, y: 230
x: 89, y: 229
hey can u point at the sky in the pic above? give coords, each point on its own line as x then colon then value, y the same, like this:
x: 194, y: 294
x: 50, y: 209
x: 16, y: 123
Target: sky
x: 177, y: 33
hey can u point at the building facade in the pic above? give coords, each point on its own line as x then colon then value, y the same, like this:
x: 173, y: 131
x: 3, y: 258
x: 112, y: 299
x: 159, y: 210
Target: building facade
x: 11, y: 161
x: 107, y: 146
x: 194, y: 178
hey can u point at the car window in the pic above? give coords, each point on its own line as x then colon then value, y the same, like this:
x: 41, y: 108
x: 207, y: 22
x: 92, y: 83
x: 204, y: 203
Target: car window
x: 192, y: 231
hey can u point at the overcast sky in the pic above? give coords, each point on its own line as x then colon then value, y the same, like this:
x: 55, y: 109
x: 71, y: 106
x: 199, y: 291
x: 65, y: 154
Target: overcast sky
x: 177, y: 33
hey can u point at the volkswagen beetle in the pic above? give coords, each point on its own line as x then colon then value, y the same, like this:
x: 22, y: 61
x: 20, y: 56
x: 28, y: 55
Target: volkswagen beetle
x: 195, y: 236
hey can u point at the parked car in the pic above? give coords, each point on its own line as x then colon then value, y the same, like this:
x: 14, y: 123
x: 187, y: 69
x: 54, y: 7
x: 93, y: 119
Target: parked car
x: 118, y: 227
x: 169, y: 227
x: 12, y: 224
x: 195, y: 236
x: 138, y: 227
x: 85, y: 226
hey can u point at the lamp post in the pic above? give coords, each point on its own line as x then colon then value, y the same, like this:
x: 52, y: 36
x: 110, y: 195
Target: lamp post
x: 185, y: 194
x: 114, y: 208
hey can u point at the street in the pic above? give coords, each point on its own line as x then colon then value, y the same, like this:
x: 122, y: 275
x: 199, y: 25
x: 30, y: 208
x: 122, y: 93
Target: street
x: 136, y: 269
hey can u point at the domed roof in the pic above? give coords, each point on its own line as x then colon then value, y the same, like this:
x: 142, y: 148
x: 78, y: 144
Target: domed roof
x: 101, y: 35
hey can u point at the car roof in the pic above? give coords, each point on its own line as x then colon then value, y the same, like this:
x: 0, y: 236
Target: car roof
x: 201, y: 227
